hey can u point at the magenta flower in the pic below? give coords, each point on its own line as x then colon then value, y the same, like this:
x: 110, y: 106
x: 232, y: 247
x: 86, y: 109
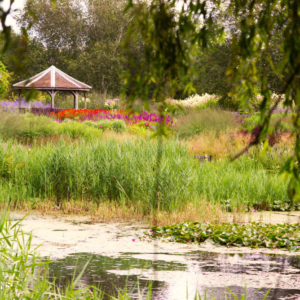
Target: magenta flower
x: 133, y: 240
x: 255, y: 210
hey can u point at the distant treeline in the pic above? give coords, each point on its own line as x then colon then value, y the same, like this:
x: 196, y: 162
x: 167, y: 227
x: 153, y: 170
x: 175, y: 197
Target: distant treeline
x: 85, y: 40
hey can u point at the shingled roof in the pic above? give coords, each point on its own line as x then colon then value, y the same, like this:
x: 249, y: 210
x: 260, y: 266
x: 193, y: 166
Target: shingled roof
x: 52, y: 79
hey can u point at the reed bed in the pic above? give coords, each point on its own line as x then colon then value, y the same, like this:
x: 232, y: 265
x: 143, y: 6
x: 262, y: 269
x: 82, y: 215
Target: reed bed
x: 125, y: 170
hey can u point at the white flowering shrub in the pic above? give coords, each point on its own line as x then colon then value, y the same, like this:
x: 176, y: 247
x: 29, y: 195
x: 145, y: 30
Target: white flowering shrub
x: 274, y: 97
x: 194, y: 100
x: 112, y: 103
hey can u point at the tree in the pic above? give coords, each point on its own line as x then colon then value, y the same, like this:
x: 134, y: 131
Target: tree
x: 4, y: 79
x: 81, y: 37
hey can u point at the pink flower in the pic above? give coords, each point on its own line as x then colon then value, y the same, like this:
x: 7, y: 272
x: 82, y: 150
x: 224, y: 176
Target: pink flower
x: 255, y: 210
x: 247, y: 151
x: 133, y: 240
x: 56, y: 209
x: 147, y: 233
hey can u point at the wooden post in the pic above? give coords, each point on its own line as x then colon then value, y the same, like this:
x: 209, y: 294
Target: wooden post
x: 75, y: 93
x: 84, y: 93
x: 52, y: 95
x: 52, y: 100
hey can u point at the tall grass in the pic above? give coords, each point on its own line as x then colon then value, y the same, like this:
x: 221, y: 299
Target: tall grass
x: 125, y: 171
x: 28, y: 127
x: 197, y: 122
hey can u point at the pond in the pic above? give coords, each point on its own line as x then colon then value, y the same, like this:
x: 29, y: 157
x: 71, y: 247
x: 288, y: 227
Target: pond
x: 175, y: 276
x: 120, y: 255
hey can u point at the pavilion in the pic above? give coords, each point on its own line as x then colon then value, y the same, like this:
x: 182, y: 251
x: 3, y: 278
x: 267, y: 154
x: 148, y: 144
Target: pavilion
x: 52, y: 81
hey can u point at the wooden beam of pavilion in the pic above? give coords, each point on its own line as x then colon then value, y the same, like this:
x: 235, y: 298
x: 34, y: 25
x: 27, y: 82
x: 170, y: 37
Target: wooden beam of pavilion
x: 52, y: 81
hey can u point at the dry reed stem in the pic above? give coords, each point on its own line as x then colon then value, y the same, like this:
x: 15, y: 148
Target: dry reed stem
x: 227, y: 144
x: 218, y: 146
x: 110, y: 211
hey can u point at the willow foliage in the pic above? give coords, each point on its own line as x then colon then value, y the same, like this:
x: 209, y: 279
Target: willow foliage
x: 264, y: 35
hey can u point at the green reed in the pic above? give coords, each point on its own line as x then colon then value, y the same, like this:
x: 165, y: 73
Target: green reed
x: 125, y: 170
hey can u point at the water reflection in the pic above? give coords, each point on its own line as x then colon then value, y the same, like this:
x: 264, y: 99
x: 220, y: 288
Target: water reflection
x: 175, y: 275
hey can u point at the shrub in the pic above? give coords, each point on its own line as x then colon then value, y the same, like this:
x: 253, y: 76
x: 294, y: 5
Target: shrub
x: 24, y: 127
x: 116, y: 125
x: 76, y: 130
x: 279, y: 123
x: 196, y: 101
x: 112, y: 103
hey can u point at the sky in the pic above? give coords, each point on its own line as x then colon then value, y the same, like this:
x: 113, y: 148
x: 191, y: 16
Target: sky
x: 18, y: 4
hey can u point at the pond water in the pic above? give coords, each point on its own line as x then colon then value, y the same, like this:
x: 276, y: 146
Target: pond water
x: 120, y: 254
x: 180, y: 276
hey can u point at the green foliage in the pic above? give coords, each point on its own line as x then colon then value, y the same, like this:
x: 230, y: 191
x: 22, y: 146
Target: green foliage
x: 8, y: 167
x: 229, y: 103
x: 118, y: 126
x: 90, y: 50
x: 109, y: 169
x: 254, y: 235
x: 139, y: 130
x: 279, y: 123
x: 29, y: 127
x: 210, y: 67
x: 264, y: 40
x: 196, y: 122
x: 4, y: 80
x: 25, y: 127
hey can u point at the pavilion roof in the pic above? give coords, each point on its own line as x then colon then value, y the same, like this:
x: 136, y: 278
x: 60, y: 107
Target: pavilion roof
x: 52, y: 79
